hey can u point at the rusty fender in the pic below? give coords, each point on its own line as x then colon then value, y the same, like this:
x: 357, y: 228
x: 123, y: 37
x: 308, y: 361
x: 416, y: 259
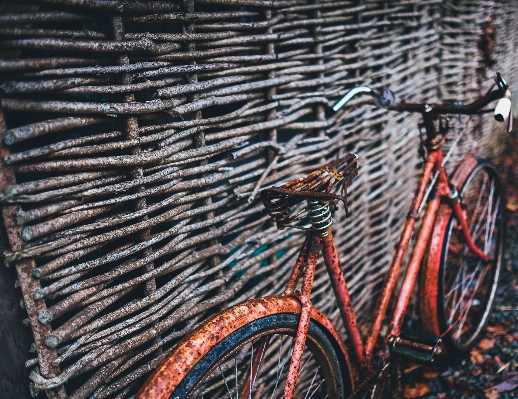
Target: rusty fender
x: 192, y: 348
x: 433, y: 257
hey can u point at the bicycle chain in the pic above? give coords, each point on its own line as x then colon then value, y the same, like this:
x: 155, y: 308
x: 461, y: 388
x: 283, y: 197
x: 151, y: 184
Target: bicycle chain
x: 361, y: 386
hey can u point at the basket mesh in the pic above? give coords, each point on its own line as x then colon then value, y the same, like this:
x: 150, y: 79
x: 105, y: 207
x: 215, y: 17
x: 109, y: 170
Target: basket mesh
x: 138, y: 133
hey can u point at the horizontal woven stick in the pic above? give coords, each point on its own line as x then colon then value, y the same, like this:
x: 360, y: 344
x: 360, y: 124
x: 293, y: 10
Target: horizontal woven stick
x: 118, y: 145
x: 119, y: 7
x: 125, y: 217
x: 189, y: 293
x: 141, y: 159
x: 70, y: 302
x: 76, y: 34
x: 37, y: 230
x: 99, y: 377
x: 193, y: 55
x: 252, y: 3
x: 52, y: 182
x: 268, y: 37
x: 213, y: 101
x: 92, y: 108
x: 57, y: 263
x: 208, y: 121
x: 196, y: 87
x: 241, y: 25
x: 323, y: 6
x: 24, y: 217
x: 94, y: 70
x: 169, y: 267
x: 15, y: 135
x: 182, y: 69
x: 182, y: 315
x: 88, y: 296
x: 62, y: 333
x: 192, y: 16
x: 258, y: 126
x: 59, y: 193
x: 47, y: 85
x: 61, y: 145
x: 128, y: 309
x: 247, y: 87
x: 101, y: 238
x: 151, y: 314
x: 51, y: 62
x: 182, y: 37
x: 129, y: 88
x: 173, y: 186
x: 73, y: 273
x: 95, y: 46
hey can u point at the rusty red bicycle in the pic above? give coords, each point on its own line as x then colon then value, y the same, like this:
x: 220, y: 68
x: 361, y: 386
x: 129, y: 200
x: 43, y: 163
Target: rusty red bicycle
x: 283, y: 346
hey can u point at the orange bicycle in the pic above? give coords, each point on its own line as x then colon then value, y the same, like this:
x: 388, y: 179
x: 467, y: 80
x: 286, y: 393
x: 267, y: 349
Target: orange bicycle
x: 282, y: 346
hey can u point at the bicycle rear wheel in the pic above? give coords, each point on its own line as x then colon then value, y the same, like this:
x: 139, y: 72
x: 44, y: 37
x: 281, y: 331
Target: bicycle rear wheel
x: 223, y: 370
x: 465, y: 285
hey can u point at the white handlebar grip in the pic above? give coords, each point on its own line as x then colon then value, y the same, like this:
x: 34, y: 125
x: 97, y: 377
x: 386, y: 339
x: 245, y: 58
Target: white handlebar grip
x: 503, y: 107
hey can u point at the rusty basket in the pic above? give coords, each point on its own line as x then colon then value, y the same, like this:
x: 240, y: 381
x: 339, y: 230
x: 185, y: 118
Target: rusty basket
x: 137, y: 134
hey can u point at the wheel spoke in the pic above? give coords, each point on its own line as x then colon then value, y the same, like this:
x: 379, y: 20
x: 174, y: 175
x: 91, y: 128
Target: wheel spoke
x: 224, y: 379
x: 467, y: 285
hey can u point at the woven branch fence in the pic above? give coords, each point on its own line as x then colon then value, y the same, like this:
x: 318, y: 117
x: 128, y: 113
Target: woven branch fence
x: 136, y: 135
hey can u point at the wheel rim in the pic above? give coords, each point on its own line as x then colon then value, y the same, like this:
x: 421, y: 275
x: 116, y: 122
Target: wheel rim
x: 469, y: 283
x: 314, y: 382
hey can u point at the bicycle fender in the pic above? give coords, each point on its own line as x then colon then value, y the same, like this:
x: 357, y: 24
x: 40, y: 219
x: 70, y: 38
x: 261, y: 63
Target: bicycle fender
x: 429, y: 282
x: 176, y: 365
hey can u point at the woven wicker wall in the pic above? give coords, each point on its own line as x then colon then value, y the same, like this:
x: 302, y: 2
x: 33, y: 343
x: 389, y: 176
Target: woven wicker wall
x: 138, y: 134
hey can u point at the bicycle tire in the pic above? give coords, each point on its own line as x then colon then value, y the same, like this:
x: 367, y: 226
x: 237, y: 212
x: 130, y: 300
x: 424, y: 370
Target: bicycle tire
x: 213, y: 376
x: 465, y: 286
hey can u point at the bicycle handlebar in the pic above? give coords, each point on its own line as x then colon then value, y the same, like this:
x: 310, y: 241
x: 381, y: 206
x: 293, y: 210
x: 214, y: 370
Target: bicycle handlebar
x: 387, y: 100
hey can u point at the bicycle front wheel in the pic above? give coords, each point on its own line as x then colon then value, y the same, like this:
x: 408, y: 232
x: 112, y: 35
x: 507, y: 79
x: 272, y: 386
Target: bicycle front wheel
x: 224, y: 370
x: 466, y: 285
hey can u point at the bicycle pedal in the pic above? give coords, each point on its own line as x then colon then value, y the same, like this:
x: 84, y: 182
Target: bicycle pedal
x: 417, y: 346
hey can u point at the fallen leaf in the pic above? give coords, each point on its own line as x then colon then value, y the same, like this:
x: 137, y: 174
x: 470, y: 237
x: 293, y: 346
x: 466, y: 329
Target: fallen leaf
x: 511, y: 207
x: 476, y: 357
x: 476, y: 372
x: 430, y: 374
x: 509, y: 383
x: 420, y: 389
x: 491, y: 394
x: 497, y: 330
x: 486, y: 344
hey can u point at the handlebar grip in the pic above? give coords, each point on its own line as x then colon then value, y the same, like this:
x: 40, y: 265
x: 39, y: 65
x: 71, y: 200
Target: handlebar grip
x: 503, y: 107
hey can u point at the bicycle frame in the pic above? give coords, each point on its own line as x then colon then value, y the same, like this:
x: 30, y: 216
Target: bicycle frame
x: 443, y: 202
x: 306, y: 264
